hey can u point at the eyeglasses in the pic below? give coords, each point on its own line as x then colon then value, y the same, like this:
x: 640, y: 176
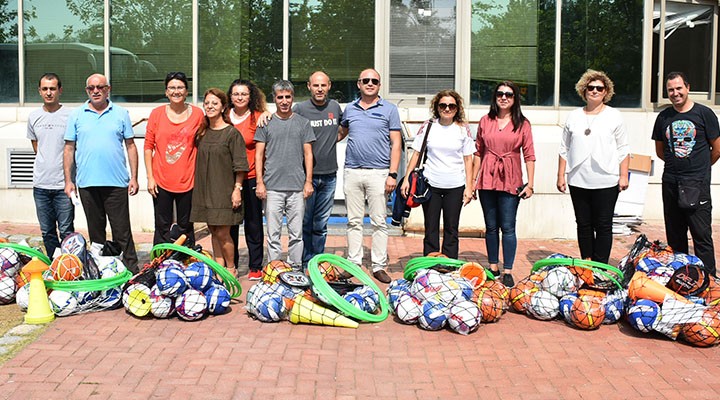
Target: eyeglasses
x: 449, y: 106
x: 240, y: 94
x: 91, y: 88
x: 499, y: 94
x: 365, y: 81
x: 600, y: 89
x: 175, y: 88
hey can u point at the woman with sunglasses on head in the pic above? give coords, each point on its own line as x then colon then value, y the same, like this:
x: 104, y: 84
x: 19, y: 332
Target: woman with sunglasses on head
x: 594, y: 153
x: 246, y: 110
x: 448, y: 169
x: 221, y: 167
x: 170, y: 158
x: 503, y: 135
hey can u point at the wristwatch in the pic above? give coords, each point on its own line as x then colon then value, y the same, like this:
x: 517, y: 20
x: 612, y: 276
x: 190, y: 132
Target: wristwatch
x: 393, y: 175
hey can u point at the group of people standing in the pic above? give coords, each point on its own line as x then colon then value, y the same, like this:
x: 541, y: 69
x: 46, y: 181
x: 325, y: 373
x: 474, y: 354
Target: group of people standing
x: 232, y: 161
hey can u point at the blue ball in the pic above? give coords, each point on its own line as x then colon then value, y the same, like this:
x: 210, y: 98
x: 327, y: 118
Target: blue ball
x: 270, y: 307
x: 566, y: 303
x: 171, y: 281
x: 398, y: 283
x: 199, y: 276
x: 434, y: 315
x: 643, y: 314
x: 110, y: 298
x: 218, y: 299
x: 395, y: 293
x: 467, y: 288
x: 356, y: 300
x: 614, y: 308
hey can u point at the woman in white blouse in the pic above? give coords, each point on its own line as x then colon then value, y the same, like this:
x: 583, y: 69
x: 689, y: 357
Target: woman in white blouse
x: 448, y: 169
x: 594, y: 153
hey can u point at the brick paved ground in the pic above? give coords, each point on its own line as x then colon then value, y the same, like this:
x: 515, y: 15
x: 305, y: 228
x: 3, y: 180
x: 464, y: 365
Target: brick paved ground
x: 114, y: 355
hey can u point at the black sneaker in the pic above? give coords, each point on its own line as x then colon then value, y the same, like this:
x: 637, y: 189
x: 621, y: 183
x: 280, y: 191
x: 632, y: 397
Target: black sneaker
x: 382, y: 276
x: 508, y: 280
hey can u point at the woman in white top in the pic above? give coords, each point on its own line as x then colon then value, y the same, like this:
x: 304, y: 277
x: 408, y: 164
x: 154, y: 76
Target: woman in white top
x: 448, y: 169
x: 594, y: 155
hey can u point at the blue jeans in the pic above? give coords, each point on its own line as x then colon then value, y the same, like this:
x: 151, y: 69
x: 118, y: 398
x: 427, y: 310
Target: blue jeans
x: 500, y: 211
x: 317, y: 212
x: 55, y: 212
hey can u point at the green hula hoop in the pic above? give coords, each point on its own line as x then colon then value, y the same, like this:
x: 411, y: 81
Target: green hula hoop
x: 27, y: 250
x: 230, y: 282
x: 594, y: 266
x: 90, y: 285
x: 324, y: 288
x: 418, y: 263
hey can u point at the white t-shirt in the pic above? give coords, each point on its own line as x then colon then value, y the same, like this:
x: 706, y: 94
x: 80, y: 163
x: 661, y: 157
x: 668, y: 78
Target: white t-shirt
x: 446, y: 147
x: 48, y: 130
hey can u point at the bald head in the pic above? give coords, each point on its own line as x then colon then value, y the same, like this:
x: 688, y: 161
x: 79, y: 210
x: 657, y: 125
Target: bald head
x: 319, y: 85
x: 98, y: 91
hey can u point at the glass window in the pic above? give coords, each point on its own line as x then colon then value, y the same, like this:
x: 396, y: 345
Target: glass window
x: 240, y: 39
x: 422, y: 46
x: 513, y: 40
x: 593, y: 36
x: 9, y: 89
x: 66, y: 40
x: 329, y: 36
x: 148, y: 39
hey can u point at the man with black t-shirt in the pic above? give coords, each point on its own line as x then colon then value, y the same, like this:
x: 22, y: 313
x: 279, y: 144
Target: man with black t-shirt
x: 687, y: 139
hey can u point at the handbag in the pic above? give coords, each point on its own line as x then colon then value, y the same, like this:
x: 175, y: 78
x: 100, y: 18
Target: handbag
x: 419, y: 188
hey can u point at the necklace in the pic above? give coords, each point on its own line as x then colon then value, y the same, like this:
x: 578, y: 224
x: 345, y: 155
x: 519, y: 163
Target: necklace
x: 590, y: 122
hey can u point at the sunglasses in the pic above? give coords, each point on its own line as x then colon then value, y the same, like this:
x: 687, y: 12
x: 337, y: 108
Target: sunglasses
x: 499, y: 94
x: 283, y: 97
x: 365, y: 81
x: 590, y: 88
x: 448, y: 106
x: 92, y: 88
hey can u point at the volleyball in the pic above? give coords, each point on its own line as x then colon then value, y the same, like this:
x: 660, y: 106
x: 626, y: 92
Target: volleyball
x: 191, y: 305
x: 614, y: 306
x: 218, y: 299
x: 270, y: 307
x: 356, y: 300
x: 464, y: 317
x: 171, y: 280
x: 643, y: 315
x: 199, y: 276
x: 543, y: 305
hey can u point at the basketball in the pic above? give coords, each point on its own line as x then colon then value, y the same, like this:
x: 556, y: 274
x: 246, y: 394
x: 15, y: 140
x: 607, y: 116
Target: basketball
x: 270, y: 307
x: 66, y: 267
x: 560, y: 281
x: 218, y: 299
x: 689, y: 280
x: 407, y: 308
x: 199, y: 276
x: 328, y: 271
x: 9, y: 261
x: 161, y: 306
x: 587, y: 313
x: 191, y: 305
x: 543, y: 305
x: 273, y: 269
x: 491, y: 305
x: 434, y: 315
x: 62, y: 303
x: 704, y: 333
x: 22, y: 297
x: 7, y: 288
x: 464, y: 317
x: 565, y: 304
x: 171, y: 280
x: 643, y: 315
x: 519, y: 295
x: 498, y: 287
x: 711, y: 295
x: 22, y: 279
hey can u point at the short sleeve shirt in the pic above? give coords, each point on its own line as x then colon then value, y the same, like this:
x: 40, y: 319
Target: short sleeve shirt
x: 48, y: 129
x: 284, y: 168
x: 368, y: 143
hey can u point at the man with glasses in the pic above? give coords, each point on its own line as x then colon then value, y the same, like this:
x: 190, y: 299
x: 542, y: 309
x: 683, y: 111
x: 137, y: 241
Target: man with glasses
x: 45, y: 129
x: 324, y: 115
x: 687, y: 139
x: 283, y: 173
x: 94, y: 141
x: 372, y: 126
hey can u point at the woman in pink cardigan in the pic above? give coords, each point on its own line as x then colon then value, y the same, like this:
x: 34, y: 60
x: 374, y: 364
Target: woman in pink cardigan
x: 503, y: 135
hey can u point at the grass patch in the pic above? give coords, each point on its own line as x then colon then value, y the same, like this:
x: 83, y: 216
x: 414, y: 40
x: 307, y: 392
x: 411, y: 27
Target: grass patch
x: 10, y: 317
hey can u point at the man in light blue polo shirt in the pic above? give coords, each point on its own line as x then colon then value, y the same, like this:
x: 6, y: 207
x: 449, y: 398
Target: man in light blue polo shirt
x: 94, y: 141
x: 372, y: 126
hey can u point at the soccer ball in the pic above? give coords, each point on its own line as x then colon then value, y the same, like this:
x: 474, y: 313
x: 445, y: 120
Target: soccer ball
x: 8, y: 287
x: 270, y: 307
x: 86, y: 298
x: 109, y: 298
x: 395, y: 290
x: 565, y: 305
x: 191, y: 305
x: 160, y: 306
x: 427, y: 284
x: 644, y: 315
x: 465, y: 317
x: 22, y: 297
x: 434, y: 315
x: 543, y: 305
x: 407, y: 308
x: 171, y: 281
x: 559, y: 281
x: 199, y: 276
x: 63, y: 303
x: 218, y: 299
x: 9, y: 261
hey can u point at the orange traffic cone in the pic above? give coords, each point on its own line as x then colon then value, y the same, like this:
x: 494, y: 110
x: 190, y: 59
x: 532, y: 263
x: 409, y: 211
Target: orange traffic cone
x: 38, y: 311
x: 305, y: 311
x: 642, y: 287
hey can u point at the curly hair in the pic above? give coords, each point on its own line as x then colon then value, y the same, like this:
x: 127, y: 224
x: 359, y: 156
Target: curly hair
x: 257, y: 101
x: 592, y: 75
x: 459, y: 115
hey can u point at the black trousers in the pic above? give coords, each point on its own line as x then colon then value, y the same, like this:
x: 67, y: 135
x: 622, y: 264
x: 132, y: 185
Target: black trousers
x: 163, y: 204
x: 103, y: 203
x: 698, y: 221
x: 594, y: 210
x: 253, y: 226
x: 449, y: 202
